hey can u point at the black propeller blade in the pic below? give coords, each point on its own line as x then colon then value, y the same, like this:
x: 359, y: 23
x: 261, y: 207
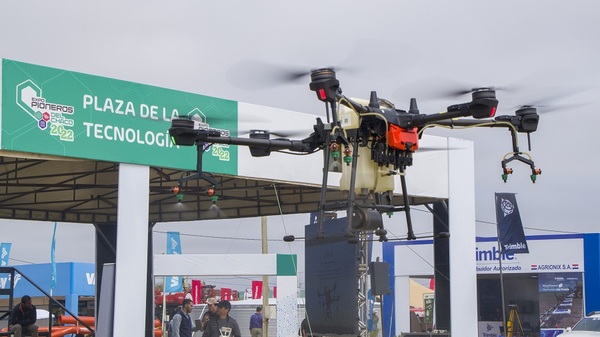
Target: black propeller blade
x: 437, y: 88
x: 362, y: 60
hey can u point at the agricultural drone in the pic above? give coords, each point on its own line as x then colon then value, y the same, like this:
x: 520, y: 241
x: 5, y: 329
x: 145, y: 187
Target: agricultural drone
x: 368, y: 140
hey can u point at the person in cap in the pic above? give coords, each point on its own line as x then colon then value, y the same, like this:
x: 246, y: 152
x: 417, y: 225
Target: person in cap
x: 23, y: 317
x: 222, y: 325
x: 211, y: 304
x: 256, y: 323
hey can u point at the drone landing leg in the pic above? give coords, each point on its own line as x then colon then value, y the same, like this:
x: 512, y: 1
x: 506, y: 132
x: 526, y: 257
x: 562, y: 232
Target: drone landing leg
x: 201, y: 147
x: 326, y: 159
x: 352, y: 192
x: 410, y: 235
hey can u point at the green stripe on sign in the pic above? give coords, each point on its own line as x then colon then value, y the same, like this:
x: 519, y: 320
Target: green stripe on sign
x: 287, y: 265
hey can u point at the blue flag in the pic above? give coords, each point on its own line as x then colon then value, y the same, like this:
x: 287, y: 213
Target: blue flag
x: 173, y: 243
x: 173, y: 283
x: 52, y: 259
x: 4, y: 254
x: 510, y: 228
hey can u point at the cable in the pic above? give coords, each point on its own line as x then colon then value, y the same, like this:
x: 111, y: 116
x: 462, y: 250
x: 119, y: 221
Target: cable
x: 495, y: 123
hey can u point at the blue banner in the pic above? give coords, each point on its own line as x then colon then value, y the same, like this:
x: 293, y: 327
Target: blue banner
x: 53, y: 259
x: 173, y: 243
x: 173, y: 283
x: 510, y: 228
x: 4, y: 253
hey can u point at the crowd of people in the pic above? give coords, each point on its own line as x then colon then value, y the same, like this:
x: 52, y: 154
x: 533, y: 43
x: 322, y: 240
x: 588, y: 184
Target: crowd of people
x: 216, y: 322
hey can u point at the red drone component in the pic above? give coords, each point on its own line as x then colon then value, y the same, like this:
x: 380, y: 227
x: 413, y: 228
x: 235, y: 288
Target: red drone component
x: 403, y: 139
x: 508, y: 170
x: 334, y: 146
x: 322, y: 94
x: 537, y: 171
x: 210, y: 191
x: 175, y: 189
x: 347, y: 151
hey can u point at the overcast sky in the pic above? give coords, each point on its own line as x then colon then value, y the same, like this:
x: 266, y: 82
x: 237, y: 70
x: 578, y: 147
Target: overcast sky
x: 539, y: 49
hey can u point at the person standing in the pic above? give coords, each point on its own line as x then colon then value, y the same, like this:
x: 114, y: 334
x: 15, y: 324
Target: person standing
x: 181, y: 324
x: 222, y: 325
x: 211, y: 303
x: 23, y: 317
x: 256, y: 321
x: 305, y: 330
x: 374, y: 332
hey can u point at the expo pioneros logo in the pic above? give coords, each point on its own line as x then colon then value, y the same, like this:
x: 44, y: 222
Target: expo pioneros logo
x: 48, y: 115
x: 507, y: 207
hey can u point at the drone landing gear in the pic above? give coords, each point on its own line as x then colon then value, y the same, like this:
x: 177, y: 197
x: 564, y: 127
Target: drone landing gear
x: 519, y: 156
x: 198, y: 175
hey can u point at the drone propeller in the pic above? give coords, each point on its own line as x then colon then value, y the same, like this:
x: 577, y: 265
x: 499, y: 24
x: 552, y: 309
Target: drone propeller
x: 546, y: 103
x: 461, y: 92
x: 255, y: 75
x: 252, y: 74
x: 437, y: 88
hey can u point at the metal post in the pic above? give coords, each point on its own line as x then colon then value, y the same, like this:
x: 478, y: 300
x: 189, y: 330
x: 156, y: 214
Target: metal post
x: 363, y: 314
x: 265, y: 278
x: 501, y: 281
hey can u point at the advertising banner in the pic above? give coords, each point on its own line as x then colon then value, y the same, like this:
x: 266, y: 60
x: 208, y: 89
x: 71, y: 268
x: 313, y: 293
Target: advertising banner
x: 561, y: 299
x: 256, y: 289
x: 197, y: 291
x: 4, y: 253
x: 173, y: 283
x: 331, y: 289
x: 549, y: 254
x: 510, y: 227
x: 57, y: 112
x: 226, y: 294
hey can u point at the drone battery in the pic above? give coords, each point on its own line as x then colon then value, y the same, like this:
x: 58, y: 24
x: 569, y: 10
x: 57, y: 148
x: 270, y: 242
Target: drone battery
x: 403, y: 139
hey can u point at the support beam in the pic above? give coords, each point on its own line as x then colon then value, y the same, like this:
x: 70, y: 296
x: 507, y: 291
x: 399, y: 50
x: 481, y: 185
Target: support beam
x: 132, y: 250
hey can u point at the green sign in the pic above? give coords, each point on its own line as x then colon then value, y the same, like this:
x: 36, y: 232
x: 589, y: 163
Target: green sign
x: 58, y: 112
x: 428, y: 303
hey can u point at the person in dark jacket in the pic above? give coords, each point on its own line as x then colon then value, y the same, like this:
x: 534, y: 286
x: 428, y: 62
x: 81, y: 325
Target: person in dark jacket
x: 181, y: 324
x: 222, y: 325
x: 23, y: 317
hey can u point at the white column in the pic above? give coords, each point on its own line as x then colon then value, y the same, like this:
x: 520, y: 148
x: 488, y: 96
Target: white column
x: 402, y: 314
x: 463, y: 268
x: 287, y: 306
x: 132, y: 251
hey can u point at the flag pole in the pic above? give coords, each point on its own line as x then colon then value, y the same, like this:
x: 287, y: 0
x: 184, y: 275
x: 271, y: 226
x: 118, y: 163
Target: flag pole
x: 501, y: 281
x: 53, y: 260
x: 164, y: 306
